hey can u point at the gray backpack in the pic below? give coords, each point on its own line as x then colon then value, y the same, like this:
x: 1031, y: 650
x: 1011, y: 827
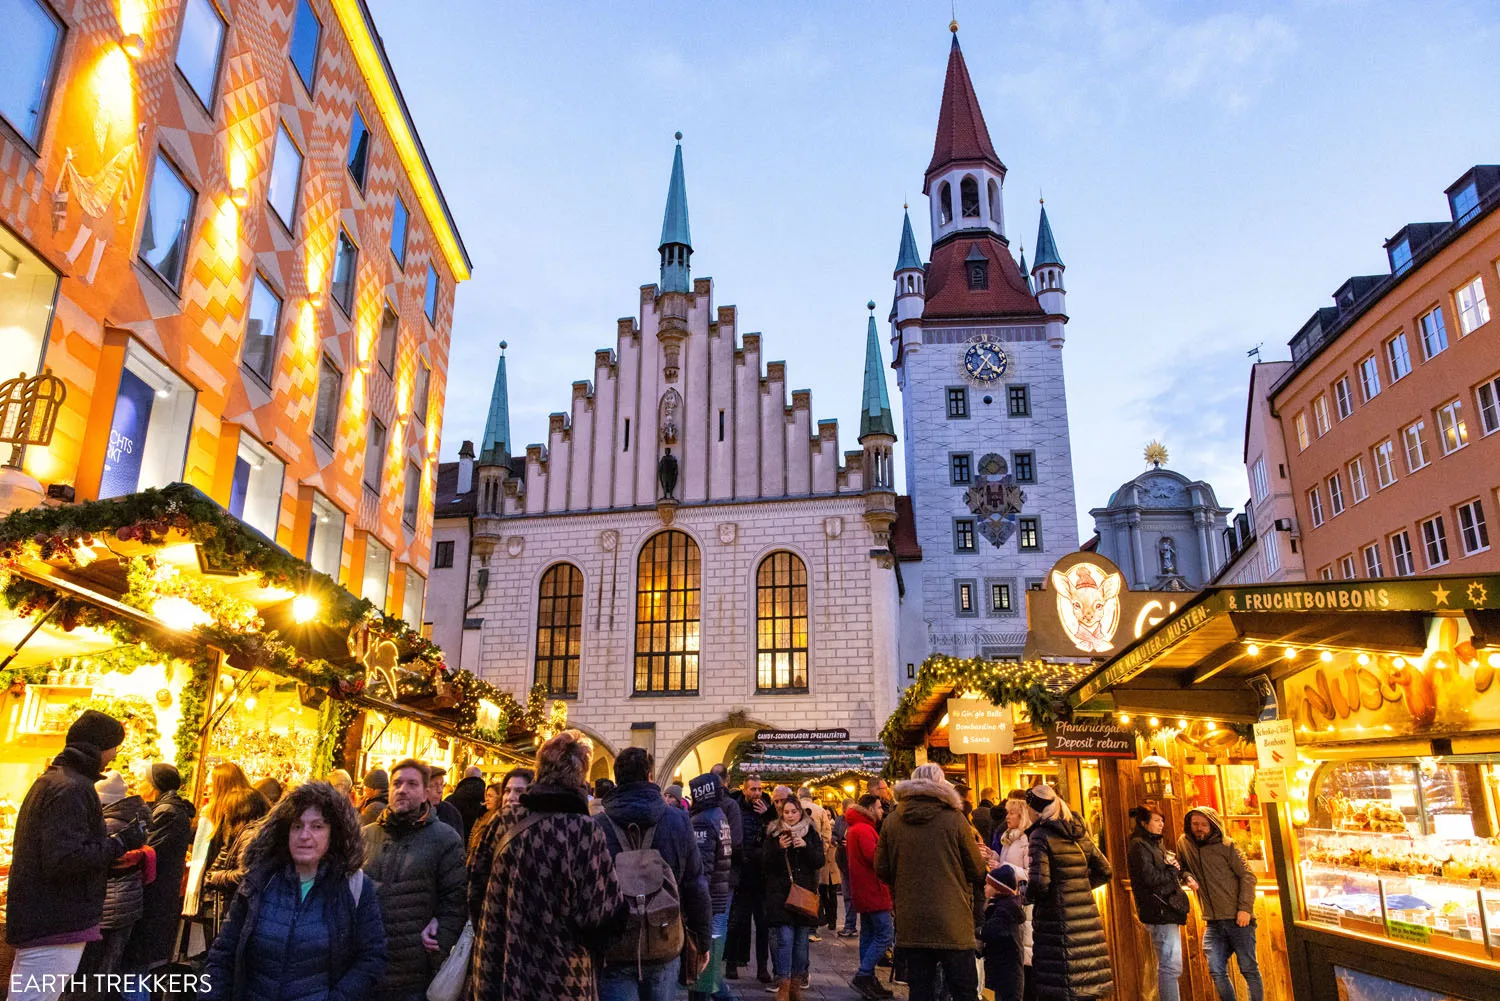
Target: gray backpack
x: 653, y: 928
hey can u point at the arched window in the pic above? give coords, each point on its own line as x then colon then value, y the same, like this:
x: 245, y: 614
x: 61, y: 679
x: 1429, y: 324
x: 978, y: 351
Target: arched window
x: 781, y: 624
x: 968, y: 191
x: 945, y: 203
x: 667, y: 607
x: 994, y: 202
x: 559, y: 629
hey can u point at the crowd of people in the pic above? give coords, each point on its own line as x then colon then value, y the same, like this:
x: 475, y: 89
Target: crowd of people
x: 543, y: 886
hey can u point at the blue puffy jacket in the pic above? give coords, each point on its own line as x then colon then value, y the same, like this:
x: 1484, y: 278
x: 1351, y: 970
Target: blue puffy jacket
x: 277, y: 945
x: 639, y: 804
x: 715, y: 838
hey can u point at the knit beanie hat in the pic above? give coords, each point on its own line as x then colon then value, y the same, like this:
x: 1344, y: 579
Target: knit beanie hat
x: 378, y: 780
x: 1039, y: 797
x: 164, y: 777
x: 97, y: 729
x: 111, y: 788
x: 1005, y: 875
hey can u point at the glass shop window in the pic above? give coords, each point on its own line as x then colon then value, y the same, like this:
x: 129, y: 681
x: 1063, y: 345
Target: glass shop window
x: 200, y: 48
x: 28, y: 288
x: 148, y: 435
x: 411, y: 599
x: 169, y: 215
x: 325, y: 537
x: 377, y: 575
x: 29, y: 50
x: 255, y: 492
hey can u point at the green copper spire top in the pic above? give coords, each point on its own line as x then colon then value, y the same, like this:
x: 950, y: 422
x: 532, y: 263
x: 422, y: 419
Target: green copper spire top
x: 875, y: 410
x: 1024, y: 272
x: 909, y: 257
x: 495, y: 446
x: 1046, y: 247
x: 676, y: 242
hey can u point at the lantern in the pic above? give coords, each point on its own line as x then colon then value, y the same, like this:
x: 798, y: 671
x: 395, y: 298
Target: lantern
x: 28, y: 410
x: 1156, y: 775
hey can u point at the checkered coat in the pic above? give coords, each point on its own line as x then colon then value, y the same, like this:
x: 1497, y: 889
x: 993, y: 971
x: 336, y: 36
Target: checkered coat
x: 549, y: 898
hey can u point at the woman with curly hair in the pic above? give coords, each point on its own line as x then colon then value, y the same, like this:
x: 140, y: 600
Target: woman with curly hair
x: 305, y: 922
x: 550, y: 895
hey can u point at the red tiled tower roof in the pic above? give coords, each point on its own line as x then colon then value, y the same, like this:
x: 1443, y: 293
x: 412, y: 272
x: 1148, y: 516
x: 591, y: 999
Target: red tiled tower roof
x: 961, y: 133
x: 948, y: 292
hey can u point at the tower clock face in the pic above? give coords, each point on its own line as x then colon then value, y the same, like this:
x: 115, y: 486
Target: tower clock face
x: 985, y: 362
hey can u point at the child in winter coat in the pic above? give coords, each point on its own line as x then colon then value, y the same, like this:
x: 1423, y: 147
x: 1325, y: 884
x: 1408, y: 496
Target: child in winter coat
x: 1000, y: 935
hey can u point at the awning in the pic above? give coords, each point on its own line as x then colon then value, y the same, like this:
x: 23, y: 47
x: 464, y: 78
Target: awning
x: 800, y: 763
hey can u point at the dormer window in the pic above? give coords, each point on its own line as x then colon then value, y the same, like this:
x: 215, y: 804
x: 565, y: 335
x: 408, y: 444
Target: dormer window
x: 977, y: 269
x: 968, y: 190
x: 1465, y: 203
x: 1400, y: 257
x: 945, y: 203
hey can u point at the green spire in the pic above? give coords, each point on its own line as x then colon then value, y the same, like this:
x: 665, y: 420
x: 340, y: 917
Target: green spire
x: 676, y: 242
x: 1046, y: 247
x: 1024, y: 272
x: 909, y: 257
x: 875, y: 409
x: 495, y: 446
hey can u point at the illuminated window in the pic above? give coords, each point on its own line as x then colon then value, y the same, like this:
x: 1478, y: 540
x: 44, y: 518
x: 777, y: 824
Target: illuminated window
x: 148, y: 433
x: 326, y: 415
x: 286, y: 178
x: 1029, y: 534
x: 1401, y: 556
x: 359, y: 149
x: 412, y: 598
x: 306, y: 32
x: 1473, y: 309
x: 963, y: 597
x: 430, y: 300
x: 325, y: 537
x: 399, y: 220
x: 377, y: 576
x: 667, y: 594
x: 1434, y: 334
x: 1453, y: 433
x: 385, y: 347
x: 262, y: 319
x: 29, y: 51
x: 968, y: 193
x: 1000, y: 598
x: 1435, y: 541
x: 1398, y: 356
x: 200, y: 47
x: 374, y: 454
x: 255, y: 488
x: 412, y: 502
x: 559, y: 630
x: 424, y: 387
x: 1299, y: 423
x: 781, y: 624
x: 1374, y: 567
x: 169, y: 216
x: 1343, y: 397
x: 345, y: 268
x: 963, y: 535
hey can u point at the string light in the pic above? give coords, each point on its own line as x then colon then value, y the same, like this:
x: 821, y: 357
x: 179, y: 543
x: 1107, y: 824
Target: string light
x: 1154, y: 721
x: 1253, y: 650
x: 1124, y: 719
x: 1182, y: 724
x: 1326, y: 656
x: 1363, y: 660
x: 1289, y: 653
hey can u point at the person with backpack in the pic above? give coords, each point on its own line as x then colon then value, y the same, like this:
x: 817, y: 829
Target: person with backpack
x: 1156, y: 881
x: 716, y: 846
x: 656, y: 856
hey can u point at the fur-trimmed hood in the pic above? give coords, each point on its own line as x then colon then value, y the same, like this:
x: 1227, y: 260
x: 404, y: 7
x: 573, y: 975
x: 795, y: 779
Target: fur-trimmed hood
x: 919, y: 801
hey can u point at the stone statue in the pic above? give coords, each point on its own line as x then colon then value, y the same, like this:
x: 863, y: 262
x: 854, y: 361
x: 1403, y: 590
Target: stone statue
x: 1166, y: 551
x: 671, y: 403
x: 666, y: 475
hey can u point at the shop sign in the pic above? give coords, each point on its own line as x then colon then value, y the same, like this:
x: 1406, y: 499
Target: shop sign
x: 127, y: 436
x: 1412, y: 595
x: 1086, y: 609
x: 1138, y: 658
x: 1090, y: 739
x: 976, y: 726
x: 800, y: 736
x: 1270, y: 785
x: 1407, y: 931
x: 1275, y: 743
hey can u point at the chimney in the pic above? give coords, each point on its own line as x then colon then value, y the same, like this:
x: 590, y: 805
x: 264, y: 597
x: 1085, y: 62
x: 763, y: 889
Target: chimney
x: 465, y: 468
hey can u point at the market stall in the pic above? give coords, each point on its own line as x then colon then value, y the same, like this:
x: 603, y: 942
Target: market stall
x: 1376, y: 775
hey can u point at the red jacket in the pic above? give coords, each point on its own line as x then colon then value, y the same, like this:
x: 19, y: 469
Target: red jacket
x: 869, y: 893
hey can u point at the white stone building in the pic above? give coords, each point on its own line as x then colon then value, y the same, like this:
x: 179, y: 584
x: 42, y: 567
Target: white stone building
x: 1164, y: 531
x: 977, y: 344
x: 690, y: 556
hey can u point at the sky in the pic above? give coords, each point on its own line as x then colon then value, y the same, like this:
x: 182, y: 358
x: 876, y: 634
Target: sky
x: 1212, y: 173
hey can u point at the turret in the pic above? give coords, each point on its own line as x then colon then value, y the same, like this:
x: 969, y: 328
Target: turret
x: 964, y: 179
x: 676, y: 246
x: 1047, y: 279
x: 877, y: 437
x: 911, y: 290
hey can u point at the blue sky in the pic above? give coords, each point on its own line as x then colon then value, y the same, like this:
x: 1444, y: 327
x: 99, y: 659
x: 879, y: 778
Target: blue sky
x: 1212, y: 172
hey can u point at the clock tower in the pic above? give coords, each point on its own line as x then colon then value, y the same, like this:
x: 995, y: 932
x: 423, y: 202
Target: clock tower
x: 977, y: 347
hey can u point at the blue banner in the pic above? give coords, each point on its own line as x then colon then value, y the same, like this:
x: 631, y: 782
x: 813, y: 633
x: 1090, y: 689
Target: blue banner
x: 238, y: 486
x: 127, y: 437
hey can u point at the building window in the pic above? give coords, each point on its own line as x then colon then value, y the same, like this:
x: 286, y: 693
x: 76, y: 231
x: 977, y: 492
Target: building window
x: 1258, y: 480
x: 1347, y: 568
x: 960, y: 468
x: 1325, y: 573
x: 374, y: 454
x: 376, y: 581
x: 963, y: 597
x: 968, y: 196
x: 1018, y: 400
x: 255, y: 489
x: 1320, y: 414
x: 1385, y: 464
x: 169, y: 214
x: 1472, y: 531
x: 945, y: 203
x: 1315, y: 506
x: 326, y: 414
x: 1343, y: 398
x: 1414, y: 441
x: 626, y: 446
x: 29, y: 51
x: 1335, y: 495
x: 667, y: 594
x: 286, y: 179
x: 345, y: 265
x: 1374, y: 568
x: 781, y: 624
x: 963, y: 535
x: 1453, y: 434
x: 1357, y: 484
x: 1029, y: 534
x: 148, y: 433
x: 430, y: 301
x: 958, y: 402
x: 424, y: 387
x: 200, y: 47
x: 1401, y: 557
x: 262, y: 319
x: 1488, y: 394
x: 911, y: 671
x: 1434, y: 541
x: 412, y: 502
x: 1398, y: 356
x: 399, y: 219
x: 306, y: 31
x: 325, y: 537
x: 559, y: 630
x: 1473, y: 310
x: 721, y: 423
x: 1400, y: 257
x: 359, y: 150
x: 1000, y: 598
x: 1369, y: 378
x: 1023, y: 464
x: 1271, y: 551
x: 385, y: 347
x: 412, y: 598
x: 978, y: 272
x: 442, y: 555
x: 1434, y: 334
x: 1300, y: 424
x: 1465, y: 203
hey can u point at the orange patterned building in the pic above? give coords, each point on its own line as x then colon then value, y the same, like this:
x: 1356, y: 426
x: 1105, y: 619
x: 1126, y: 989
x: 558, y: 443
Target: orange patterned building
x: 219, y: 228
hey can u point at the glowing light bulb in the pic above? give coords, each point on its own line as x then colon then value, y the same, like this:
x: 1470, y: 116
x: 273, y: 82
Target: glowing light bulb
x: 1210, y: 726
x: 1182, y: 724
x: 1398, y: 661
x: 1253, y: 650
x: 1326, y: 656
x: 1493, y: 660
x: 1124, y: 719
x: 1154, y: 721
x: 250, y: 704
x: 304, y: 608
x: 1363, y: 660
x: 1289, y: 653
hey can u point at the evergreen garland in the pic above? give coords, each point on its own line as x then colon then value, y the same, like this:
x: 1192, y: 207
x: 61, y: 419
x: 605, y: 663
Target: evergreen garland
x: 193, y: 701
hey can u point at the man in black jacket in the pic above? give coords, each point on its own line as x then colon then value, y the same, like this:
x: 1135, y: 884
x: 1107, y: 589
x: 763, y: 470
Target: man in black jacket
x: 417, y: 863
x: 755, y: 813
x: 60, y: 861
x: 637, y: 805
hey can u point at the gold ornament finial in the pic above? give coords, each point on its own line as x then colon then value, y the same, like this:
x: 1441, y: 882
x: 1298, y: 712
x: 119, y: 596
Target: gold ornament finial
x: 953, y: 25
x: 1156, y: 454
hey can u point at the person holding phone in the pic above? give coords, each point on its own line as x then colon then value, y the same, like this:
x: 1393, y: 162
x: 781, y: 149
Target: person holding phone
x: 1156, y: 881
x: 793, y: 855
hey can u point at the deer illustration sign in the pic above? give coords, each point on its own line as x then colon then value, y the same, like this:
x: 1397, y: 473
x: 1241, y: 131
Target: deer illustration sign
x: 1088, y: 603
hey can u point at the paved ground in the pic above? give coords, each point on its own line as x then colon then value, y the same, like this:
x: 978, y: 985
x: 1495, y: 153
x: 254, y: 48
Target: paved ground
x: 833, y: 964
